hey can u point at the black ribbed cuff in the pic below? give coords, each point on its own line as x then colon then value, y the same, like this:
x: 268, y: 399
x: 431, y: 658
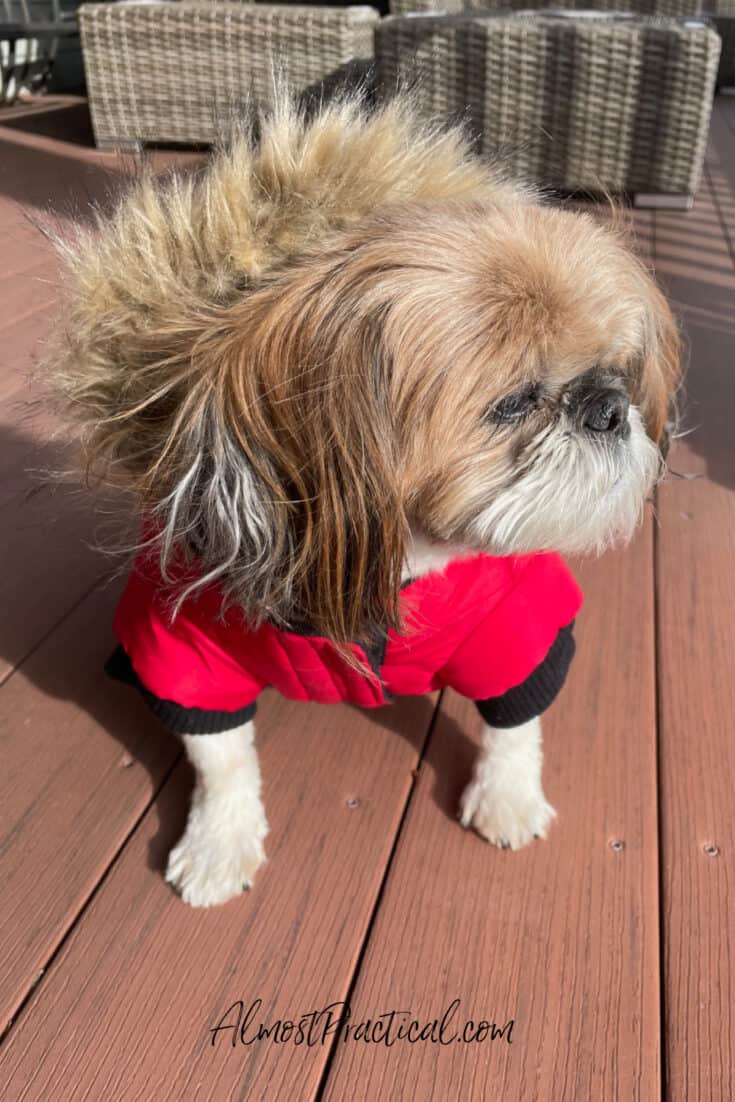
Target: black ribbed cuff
x: 534, y: 695
x: 180, y: 720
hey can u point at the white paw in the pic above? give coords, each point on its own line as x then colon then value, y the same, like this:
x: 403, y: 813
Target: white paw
x: 219, y: 854
x: 507, y: 817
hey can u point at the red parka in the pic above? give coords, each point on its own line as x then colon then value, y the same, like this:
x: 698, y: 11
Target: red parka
x: 497, y: 630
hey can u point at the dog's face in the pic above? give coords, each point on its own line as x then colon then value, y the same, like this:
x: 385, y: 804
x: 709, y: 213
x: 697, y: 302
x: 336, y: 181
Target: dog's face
x: 498, y: 376
x: 532, y: 394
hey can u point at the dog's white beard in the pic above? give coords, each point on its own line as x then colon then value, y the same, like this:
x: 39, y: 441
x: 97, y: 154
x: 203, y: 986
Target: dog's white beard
x: 576, y: 494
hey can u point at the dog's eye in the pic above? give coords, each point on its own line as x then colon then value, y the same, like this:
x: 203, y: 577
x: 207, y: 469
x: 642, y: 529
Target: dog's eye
x: 514, y: 407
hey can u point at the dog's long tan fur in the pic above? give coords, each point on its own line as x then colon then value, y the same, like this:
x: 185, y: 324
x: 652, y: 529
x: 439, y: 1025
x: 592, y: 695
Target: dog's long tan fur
x: 261, y: 350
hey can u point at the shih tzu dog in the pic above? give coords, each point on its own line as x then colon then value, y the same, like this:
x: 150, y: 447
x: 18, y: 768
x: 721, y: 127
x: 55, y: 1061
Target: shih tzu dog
x: 365, y: 390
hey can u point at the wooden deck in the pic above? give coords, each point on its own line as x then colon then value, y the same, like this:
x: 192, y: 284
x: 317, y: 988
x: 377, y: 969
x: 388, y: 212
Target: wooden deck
x: 609, y: 946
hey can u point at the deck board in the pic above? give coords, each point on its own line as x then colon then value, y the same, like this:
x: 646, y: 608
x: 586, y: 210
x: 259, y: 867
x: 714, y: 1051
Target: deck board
x: 696, y: 632
x: 68, y: 790
x: 562, y: 937
x: 720, y: 163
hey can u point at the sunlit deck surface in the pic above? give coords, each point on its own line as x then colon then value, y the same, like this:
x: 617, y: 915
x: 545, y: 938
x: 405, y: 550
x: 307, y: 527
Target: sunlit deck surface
x: 608, y: 945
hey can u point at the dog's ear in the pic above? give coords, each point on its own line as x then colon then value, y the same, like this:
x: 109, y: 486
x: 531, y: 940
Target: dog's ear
x: 660, y: 368
x: 258, y: 436
x: 301, y: 419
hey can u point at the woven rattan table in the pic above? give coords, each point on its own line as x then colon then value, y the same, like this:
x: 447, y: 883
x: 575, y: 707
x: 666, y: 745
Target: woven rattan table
x: 595, y: 103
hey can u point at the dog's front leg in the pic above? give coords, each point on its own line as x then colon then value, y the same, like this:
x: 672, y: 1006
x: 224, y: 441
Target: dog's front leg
x: 222, y: 846
x: 505, y: 802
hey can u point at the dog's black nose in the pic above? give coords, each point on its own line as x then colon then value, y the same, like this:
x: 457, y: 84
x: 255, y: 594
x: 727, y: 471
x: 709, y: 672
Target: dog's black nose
x: 606, y: 411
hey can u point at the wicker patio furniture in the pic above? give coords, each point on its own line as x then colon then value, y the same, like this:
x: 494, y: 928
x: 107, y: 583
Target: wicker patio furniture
x: 165, y: 72
x: 44, y: 26
x: 600, y: 103
x: 668, y: 8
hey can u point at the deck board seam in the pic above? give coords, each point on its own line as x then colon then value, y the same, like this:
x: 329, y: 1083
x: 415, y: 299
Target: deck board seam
x: 45, y: 307
x: 655, y: 537
x: 85, y: 904
x: 724, y: 114
x: 710, y: 185
x: 326, y: 1070
x: 12, y: 670
x: 655, y: 533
